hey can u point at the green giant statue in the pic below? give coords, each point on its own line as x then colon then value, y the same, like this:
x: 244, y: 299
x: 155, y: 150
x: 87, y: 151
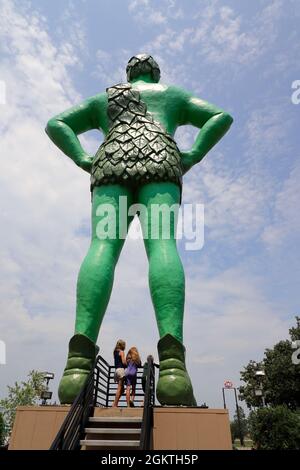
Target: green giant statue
x: 140, y: 160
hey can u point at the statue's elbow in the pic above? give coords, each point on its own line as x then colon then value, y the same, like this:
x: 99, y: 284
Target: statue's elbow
x: 49, y: 127
x: 52, y: 126
x: 228, y: 119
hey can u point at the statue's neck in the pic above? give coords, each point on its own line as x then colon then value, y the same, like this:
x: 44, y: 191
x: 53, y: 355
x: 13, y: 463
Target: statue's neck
x: 143, y: 79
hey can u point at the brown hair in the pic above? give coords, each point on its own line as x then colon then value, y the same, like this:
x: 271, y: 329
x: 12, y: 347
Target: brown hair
x: 120, y: 346
x: 133, y: 355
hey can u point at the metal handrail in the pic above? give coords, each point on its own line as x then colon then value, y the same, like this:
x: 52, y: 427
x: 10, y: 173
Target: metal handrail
x: 147, y: 422
x: 72, y: 429
x: 105, y: 386
x: 99, y: 391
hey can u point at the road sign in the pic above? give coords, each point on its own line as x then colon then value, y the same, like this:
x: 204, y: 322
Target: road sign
x: 228, y: 384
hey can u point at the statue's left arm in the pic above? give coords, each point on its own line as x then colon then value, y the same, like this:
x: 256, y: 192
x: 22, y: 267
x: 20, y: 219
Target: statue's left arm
x: 64, y: 128
x: 213, y: 122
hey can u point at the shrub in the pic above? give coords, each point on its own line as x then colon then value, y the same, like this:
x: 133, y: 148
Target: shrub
x: 275, y: 428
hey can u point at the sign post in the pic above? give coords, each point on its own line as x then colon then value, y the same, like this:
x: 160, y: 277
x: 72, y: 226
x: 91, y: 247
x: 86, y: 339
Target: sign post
x: 228, y: 385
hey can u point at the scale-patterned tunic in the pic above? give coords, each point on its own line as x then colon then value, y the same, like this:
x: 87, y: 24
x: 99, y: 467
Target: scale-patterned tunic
x: 137, y: 149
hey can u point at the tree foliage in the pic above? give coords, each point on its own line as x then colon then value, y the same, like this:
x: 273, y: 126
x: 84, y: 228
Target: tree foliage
x: 239, y: 430
x: 2, y: 430
x: 281, y: 383
x: 275, y: 428
x: 21, y: 394
x: 247, y: 392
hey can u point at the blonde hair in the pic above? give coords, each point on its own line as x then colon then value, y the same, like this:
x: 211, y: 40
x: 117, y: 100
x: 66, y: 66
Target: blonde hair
x: 133, y: 355
x: 120, y: 345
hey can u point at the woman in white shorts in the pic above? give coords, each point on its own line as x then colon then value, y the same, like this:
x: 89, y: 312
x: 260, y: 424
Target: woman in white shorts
x: 120, y: 365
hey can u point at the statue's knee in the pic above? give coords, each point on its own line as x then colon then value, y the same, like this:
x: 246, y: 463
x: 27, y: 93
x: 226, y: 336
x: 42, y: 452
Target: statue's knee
x: 165, y: 251
x: 107, y: 245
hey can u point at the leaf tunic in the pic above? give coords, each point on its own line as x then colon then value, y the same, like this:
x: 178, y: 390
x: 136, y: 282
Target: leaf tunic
x: 137, y: 149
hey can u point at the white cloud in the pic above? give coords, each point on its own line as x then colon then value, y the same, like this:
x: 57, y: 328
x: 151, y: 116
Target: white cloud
x: 208, y: 359
x: 170, y: 41
x: 71, y: 24
x: 144, y: 13
x: 220, y: 37
x: 216, y: 34
x: 228, y: 322
x: 111, y: 68
x: 185, y: 136
x: 154, y: 12
x: 234, y: 200
x: 267, y: 130
x: 223, y: 36
x: 42, y: 194
x: 240, y: 196
x: 285, y: 225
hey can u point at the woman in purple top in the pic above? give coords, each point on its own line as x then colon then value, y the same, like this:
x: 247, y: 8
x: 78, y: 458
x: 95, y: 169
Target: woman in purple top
x: 133, y: 362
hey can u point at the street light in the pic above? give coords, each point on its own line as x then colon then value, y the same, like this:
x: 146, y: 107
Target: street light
x: 260, y: 373
x: 48, y: 375
x: 46, y: 394
x: 259, y: 391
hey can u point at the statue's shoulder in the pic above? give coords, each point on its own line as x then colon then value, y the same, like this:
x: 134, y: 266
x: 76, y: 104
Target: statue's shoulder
x: 93, y: 102
x: 97, y: 105
x: 96, y: 108
x: 164, y: 87
x: 178, y: 93
x: 98, y: 99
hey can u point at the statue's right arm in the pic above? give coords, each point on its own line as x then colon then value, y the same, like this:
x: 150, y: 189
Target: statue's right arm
x: 212, y: 121
x: 64, y: 128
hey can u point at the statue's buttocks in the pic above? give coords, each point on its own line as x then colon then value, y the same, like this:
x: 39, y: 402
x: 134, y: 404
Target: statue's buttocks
x: 137, y: 149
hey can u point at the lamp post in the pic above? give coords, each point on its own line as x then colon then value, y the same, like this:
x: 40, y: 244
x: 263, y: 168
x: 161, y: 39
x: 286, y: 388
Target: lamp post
x: 46, y: 394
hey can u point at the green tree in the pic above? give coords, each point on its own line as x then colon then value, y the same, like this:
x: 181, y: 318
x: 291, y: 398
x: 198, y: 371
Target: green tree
x: 281, y: 383
x: 2, y: 430
x: 23, y: 394
x: 282, y: 380
x: 246, y: 392
x: 238, y: 431
x: 276, y: 428
x: 295, y: 330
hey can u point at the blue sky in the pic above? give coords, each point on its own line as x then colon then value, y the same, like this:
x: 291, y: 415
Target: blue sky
x: 242, y: 287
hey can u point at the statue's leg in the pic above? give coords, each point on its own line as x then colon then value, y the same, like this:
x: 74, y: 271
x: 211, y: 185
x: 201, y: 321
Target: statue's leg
x: 96, y: 274
x: 166, y: 274
x: 94, y: 284
x: 167, y: 286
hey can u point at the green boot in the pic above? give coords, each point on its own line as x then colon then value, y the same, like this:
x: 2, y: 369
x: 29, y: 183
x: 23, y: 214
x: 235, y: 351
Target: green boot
x: 174, y: 386
x: 81, y: 359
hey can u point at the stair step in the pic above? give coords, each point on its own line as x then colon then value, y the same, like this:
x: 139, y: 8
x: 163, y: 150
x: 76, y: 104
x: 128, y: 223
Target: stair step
x: 114, y: 419
x: 109, y: 443
x: 112, y: 431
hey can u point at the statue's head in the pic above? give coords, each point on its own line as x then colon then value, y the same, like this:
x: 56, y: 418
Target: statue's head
x: 142, y: 64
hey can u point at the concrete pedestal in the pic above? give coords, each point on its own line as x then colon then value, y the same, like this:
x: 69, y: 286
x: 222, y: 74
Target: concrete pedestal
x: 175, y: 428
x: 35, y: 427
x: 191, y: 428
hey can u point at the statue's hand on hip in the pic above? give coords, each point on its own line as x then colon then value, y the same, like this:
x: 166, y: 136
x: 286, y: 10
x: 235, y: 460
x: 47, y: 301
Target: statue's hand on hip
x: 85, y: 163
x: 188, y: 159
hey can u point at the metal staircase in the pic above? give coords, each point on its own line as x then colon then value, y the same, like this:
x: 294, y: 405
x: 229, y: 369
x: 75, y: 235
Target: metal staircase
x: 113, y: 432
x: 93, y: 424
